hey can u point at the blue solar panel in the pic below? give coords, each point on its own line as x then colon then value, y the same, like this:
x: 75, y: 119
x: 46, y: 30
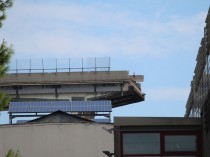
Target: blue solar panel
x: 21, y: 121
x: 60, y: 105
x: 80, y: 106
x: 102, y: 120
x: 19, y: 107
x: 66, y: 106
x: 39, y: 107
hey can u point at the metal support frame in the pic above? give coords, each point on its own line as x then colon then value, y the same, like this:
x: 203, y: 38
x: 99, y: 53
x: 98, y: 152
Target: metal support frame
x: 35, y: 114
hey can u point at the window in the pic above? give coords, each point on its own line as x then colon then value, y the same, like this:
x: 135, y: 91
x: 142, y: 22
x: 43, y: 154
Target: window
x: 141, y: 143
x: 165, y: 144
x: 186, y: 143
x: 180, y: 143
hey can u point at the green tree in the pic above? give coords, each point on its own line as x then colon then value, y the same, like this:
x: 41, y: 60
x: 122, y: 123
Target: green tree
x: 11, y: 153
x: 5, y: 52
x: 4, y: 4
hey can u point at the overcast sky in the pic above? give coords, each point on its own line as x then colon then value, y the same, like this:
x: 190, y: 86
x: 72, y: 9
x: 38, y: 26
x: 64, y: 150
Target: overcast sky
x: 155, y: 38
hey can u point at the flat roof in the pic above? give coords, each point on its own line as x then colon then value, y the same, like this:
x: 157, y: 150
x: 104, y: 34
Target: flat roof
x: 156, y: 121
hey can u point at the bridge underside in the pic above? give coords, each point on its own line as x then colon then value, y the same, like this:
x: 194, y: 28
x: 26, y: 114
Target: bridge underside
x: 117, y: 86
x: 121, y: 98
x: 118, y: 98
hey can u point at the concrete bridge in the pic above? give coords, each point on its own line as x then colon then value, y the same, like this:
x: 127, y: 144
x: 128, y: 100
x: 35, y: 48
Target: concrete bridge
x: 117, y: 86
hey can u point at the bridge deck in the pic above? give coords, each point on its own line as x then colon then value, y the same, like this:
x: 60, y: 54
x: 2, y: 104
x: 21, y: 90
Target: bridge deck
x: 64, y: 78
x: 117, y: 86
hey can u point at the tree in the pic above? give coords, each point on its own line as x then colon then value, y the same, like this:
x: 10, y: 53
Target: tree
x: 11, y: 153
x: 5, y: 52
x: 4, y: 4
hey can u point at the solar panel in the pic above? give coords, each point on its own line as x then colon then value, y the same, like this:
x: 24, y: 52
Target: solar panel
x: 60, y: 105
x: 66, y: 106
x: 21, y: 121
x: 39, y: 106
x: 102, y: 120
x: 101, y: 106
x: 19, y: 107
x: 80, y: 106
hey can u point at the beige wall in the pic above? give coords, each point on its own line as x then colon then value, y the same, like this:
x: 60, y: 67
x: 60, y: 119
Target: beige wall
x: 57, y: 140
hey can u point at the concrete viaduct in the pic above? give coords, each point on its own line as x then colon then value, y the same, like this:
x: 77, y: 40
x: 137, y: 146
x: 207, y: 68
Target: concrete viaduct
x: 117, y: 86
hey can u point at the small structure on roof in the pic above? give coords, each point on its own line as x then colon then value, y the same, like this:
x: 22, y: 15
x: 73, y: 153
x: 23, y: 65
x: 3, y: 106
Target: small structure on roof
x: 60, y: 117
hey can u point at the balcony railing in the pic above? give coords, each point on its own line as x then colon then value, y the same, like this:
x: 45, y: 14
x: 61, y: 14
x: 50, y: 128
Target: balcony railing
x: 59, y: 65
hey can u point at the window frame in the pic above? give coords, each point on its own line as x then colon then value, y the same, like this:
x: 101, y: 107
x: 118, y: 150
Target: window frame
x: 163, y: 152
x: 122, y: 151
x: 182, y: 133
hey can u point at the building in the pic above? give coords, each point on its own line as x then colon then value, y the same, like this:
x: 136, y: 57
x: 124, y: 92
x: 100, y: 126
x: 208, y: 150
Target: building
x: 39, y: 85
x: 198, y: 104
x: 67, y: 102
x: 57, y: 134
x: 158, y: 136
x: 41, y: 139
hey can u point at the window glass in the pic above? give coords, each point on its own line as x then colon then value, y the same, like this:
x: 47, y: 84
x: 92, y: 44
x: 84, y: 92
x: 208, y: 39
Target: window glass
x: 141, y: 143
x: 180, y: 143
x: 77, y: 98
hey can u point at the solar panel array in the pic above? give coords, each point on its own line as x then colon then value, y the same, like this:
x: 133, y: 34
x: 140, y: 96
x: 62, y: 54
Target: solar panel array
x: 102, y: 120
x: 21, y: 121
x: 66, y: 106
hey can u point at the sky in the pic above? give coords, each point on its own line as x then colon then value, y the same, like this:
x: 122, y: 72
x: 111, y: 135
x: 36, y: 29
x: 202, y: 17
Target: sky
x: 155, y: 38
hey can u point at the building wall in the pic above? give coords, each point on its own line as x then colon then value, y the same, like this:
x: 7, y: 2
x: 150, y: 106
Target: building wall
x: 198, y: 104
x: 161, y: 126
x: 206, y: 144
x: 54, y: 140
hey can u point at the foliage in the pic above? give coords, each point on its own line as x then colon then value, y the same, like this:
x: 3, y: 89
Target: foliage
x: 4, y: 4
x: 4, y: 101
x: 5, y: 52
x: 5, y: 55
x: 11, y: 153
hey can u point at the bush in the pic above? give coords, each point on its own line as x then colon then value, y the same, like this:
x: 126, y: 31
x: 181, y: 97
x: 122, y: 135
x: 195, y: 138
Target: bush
x: 11, y: 153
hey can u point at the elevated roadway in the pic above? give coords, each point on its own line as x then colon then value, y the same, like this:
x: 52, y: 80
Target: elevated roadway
x: 117, y: 86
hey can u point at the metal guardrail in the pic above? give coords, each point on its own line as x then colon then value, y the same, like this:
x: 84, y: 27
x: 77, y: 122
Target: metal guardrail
x: 59, y: 65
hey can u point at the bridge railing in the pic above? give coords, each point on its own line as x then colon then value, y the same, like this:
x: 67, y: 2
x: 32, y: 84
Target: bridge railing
x: 59, y: 65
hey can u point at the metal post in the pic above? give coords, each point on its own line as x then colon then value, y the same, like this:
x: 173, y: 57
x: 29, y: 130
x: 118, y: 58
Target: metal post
x: 82, y: 64
x: 42, y: 66
x: 56, y: 92
x: 17, y: 91
x: 109, y: 64
x: 56, y: 65
x: 10, y: 118
x: 121, y: 88
x: 30, y: 67
x: 95, y: 64
x: 16, y: 66
x: 109, y: 117
x: 69, y: 64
